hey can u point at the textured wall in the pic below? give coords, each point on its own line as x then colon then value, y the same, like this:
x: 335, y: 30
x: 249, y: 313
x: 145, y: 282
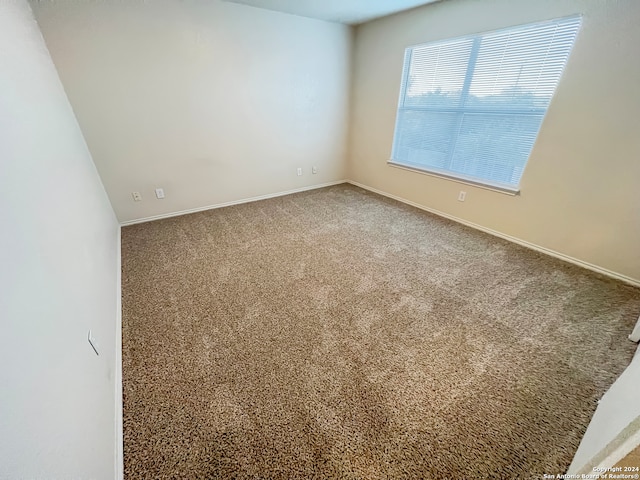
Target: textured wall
x: 58, y: 274
x: 579, y: 193
x: 213, y: 101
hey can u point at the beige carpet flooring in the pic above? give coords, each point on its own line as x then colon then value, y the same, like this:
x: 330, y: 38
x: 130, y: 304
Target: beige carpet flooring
x: 338, y: 334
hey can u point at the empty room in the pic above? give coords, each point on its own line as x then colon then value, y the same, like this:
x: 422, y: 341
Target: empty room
x: 292, y: 239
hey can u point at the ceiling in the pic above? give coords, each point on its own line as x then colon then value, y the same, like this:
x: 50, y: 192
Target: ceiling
x: 350, y: 12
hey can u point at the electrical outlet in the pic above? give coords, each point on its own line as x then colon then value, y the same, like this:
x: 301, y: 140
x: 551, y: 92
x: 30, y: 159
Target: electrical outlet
x: 461, y: 196
x: 314, y: 170
x: 159, y: 193
x: 299, y: 171
x: 136, y: 196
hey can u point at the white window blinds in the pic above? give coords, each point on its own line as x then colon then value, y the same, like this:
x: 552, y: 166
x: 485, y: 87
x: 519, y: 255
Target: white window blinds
x: 471, y: 107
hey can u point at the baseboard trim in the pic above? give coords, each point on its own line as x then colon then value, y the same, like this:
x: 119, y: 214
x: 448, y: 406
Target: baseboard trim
x: 119, y: 440
x: 228, y: 204
x: 619, y: 453
x: 524, y: 243
x: 627, y: 440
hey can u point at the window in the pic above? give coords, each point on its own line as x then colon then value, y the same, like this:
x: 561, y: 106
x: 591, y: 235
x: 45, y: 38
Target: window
x: 470, y: 108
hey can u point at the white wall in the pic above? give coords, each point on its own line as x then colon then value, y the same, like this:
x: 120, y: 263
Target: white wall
x: 58, y: 257
x: 618, y: 409
x: 579, y: 193
x: 213, y: 101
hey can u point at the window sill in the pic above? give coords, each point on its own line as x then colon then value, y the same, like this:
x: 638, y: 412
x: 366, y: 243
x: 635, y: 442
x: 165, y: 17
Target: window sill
x: 507, y: 190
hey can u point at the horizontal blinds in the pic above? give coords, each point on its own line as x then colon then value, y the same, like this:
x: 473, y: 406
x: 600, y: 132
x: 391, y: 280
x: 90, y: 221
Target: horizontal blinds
x: 473, y: 106
x: 437, y: 74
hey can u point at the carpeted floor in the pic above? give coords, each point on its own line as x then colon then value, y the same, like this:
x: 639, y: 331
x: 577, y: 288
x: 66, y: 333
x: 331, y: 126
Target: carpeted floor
x: 338, y: 334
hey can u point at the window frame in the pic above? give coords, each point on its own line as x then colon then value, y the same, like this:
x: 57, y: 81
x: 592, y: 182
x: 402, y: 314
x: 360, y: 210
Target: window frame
x: 461, y: 109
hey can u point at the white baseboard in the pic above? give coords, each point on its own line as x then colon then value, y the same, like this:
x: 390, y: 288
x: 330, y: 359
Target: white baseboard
x: 228, y: 204
x: 553, y: 253
x: 624, y: 449
x: 627, y: 440
x: 119, y: 440
x: 538, y: 248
